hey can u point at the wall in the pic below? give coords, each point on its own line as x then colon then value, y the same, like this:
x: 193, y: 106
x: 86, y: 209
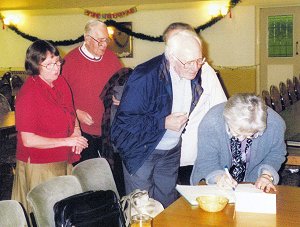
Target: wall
x: 230, y: 44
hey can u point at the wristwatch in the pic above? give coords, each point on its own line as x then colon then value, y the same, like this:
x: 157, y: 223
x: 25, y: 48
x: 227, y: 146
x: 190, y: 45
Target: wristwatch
x: 270, y: 177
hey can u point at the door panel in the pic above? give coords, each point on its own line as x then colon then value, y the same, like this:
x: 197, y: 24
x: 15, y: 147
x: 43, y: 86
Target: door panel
x: 276, y: 69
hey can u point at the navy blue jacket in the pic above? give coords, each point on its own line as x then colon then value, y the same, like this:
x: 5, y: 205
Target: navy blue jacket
x: 139, y: 124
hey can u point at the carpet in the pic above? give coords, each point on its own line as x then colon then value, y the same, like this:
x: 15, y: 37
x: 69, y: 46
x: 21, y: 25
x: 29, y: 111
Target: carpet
x: 7, y: 164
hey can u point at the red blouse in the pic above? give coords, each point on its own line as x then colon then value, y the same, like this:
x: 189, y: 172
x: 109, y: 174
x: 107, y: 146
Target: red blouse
x: 46, y: 112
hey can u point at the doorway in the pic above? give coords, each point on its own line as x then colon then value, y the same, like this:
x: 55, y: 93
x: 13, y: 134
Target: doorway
x: 279, y: 26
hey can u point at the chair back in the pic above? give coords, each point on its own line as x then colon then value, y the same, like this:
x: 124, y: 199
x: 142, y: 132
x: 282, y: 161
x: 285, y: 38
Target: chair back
x: 284, y: 95
x: 266, y: 97
x: 43, y: 197
x: 4, y: 105
x: 276, y: 99
x: 297, y: 87
x: 95, y: 174
x: 6, y: 90
x: 12, y: 214
x: 291, y: 91
x: 16, y: 82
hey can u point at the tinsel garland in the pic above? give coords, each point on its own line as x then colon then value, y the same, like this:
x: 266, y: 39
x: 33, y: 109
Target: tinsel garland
x: 122, y: 28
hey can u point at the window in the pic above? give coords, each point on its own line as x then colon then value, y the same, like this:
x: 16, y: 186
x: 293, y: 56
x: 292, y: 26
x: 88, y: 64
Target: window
x: 280, y: 39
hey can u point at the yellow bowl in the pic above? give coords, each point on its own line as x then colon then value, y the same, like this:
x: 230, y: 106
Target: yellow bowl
x: 212, y: 203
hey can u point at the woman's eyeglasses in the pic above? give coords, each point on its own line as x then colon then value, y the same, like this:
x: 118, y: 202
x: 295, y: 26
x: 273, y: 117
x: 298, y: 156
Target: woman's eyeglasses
x: 50, y: 66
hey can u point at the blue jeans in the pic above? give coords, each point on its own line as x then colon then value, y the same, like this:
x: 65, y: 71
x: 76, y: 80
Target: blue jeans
x: 158, y: 175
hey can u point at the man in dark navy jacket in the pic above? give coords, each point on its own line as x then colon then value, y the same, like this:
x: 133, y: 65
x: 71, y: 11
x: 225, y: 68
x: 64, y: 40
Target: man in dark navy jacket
x: 155, y: 106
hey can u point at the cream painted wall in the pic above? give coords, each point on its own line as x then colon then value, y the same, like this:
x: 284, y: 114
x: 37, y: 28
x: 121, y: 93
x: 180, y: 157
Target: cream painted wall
x: 230, y: 42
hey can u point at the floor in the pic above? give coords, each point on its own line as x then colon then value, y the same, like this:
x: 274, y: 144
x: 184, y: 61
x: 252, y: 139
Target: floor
x: 7, y: 164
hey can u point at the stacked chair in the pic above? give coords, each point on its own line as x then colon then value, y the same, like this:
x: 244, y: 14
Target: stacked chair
x: 286, y: 95
x: 267, y: 98
x: 291, y: 91
x: 296, y: 81
x: 276, y: 98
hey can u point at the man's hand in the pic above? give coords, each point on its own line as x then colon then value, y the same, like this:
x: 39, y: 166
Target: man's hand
x: 176, y: 121
x: 84, y: 117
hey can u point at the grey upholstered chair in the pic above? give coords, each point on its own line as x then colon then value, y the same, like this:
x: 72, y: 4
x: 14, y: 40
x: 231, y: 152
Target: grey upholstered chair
x: 95, y: 174
x: 43, y: 197
x: 12, y: 214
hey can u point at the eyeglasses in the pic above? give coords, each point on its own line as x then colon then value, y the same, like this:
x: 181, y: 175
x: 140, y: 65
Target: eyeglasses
x: 51, y: 65
x: 199, y: 62
x: 102, y: 40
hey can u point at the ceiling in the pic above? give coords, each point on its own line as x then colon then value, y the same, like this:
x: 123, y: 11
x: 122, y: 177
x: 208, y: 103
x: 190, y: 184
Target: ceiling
x: 66, y: 5
x: 58, y: 4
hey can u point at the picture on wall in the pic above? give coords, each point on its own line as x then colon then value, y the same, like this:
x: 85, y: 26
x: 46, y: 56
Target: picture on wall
x: 121, y: 43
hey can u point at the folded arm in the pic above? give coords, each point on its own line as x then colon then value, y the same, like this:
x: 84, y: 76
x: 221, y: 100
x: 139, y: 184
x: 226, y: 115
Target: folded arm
x: 35, y: 141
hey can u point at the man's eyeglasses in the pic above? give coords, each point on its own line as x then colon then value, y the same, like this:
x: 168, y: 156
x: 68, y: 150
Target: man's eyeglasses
x: 199, y: 62
x: 51, y: 65
x: 101, y: 40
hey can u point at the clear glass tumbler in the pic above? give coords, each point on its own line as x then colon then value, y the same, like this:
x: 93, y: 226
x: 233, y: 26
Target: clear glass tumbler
x: 141, y: 220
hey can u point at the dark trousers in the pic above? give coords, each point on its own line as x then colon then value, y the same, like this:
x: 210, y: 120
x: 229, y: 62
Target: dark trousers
x: 158, y: 175
x: 117, y: 171
x: 93, y: 150
x: 184, y: 175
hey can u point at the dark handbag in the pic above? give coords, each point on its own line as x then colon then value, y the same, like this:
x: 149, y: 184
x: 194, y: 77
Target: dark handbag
x: 89, y: 209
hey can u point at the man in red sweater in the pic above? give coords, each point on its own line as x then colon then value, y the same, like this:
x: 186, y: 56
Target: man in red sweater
x: 87, y: 69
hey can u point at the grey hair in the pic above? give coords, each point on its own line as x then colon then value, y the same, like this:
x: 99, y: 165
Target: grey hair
x: 246, y: 113
x: 175, y: 41
x: 91, y: 24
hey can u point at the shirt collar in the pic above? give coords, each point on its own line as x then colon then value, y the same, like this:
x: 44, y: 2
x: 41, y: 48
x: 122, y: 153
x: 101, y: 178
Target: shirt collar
x: 88, y: 54
x: 175, y: 77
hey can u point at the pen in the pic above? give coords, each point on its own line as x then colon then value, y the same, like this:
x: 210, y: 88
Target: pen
x: 229, y: 176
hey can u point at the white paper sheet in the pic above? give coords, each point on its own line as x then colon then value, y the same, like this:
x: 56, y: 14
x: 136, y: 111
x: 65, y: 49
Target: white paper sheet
x: 247, y: 197
x: 190, y: 193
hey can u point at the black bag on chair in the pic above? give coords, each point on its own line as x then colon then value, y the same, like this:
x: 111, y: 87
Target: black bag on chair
x: 89, y: 209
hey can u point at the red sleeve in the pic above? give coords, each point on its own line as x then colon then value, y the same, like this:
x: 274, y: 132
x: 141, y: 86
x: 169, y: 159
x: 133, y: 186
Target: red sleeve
x: 26, y: 112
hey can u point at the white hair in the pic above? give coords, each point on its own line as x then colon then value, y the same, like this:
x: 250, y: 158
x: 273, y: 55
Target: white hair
x: 184, y: 41
x: 246, y: 113
x: 91, y: 24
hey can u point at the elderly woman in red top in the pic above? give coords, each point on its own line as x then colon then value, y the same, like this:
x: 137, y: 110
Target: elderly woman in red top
x: 49, y: 137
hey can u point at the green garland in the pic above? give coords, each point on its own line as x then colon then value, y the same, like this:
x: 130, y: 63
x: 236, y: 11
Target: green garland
x: 121, y: 28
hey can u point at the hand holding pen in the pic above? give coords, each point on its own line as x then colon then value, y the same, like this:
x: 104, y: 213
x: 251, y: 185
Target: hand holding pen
x: 226, y: 180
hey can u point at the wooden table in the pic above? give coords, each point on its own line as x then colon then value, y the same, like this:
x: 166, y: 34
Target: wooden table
x: 7, y: 120
x: 182, y: 214
x: 291, y: 116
